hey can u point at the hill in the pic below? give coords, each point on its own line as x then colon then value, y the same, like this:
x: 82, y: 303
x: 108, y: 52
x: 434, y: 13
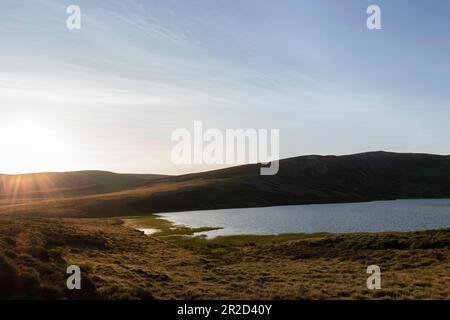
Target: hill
x: 311, y: 179
x: 300, y: 180
x: 63, y: 184
x: 40, y: 234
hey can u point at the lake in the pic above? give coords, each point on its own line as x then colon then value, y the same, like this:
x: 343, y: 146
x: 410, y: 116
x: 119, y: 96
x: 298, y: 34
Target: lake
x: 398, y: 215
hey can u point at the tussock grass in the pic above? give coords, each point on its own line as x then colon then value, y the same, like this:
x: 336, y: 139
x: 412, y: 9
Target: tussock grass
x: 163, y: 227
x: 119, y: 262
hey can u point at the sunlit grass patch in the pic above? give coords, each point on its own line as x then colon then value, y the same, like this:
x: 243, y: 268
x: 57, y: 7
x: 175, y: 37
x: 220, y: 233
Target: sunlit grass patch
x: 164, y: 228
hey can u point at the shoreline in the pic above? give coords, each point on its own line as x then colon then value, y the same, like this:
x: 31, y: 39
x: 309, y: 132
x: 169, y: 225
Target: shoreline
x: 120, y: 262
x: 165, y: 228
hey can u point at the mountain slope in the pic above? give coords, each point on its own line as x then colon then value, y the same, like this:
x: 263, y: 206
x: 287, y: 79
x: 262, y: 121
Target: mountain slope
x: 311, y: 179
x: 63, y: 184
x: 300, y: 180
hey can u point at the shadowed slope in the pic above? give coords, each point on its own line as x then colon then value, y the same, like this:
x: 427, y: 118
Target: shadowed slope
x: 301, y: 180
x: 311, y: 179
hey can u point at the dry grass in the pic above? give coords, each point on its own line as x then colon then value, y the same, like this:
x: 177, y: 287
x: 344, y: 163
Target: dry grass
x: 119, y: 262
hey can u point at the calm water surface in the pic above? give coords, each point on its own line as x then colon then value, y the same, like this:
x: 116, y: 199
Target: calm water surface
x: 399, y: 215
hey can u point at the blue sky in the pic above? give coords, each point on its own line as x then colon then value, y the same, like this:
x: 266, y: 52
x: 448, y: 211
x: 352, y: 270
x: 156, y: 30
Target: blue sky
x: 137, y: 70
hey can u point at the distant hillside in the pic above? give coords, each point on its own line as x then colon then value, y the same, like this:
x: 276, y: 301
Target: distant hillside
x: 310, y: 179
x: 301, y: 180
x: 50, y: 185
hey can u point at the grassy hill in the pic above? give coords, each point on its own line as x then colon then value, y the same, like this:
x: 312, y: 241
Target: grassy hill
x: 63, y: 184
x: 310, y: 179
x: 42, y: 232
x: 300, y: 180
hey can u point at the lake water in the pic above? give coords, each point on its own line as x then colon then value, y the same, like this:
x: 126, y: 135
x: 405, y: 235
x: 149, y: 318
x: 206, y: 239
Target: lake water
x: 399, y: 215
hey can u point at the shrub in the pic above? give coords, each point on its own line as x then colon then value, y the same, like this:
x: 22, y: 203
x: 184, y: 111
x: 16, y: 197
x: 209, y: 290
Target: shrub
x: 8, y: 274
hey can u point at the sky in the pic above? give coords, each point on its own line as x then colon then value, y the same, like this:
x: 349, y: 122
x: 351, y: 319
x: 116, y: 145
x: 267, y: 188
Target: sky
x: 108, y: 96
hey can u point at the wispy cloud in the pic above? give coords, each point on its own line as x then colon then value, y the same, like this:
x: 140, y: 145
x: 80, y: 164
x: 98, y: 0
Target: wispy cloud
x: 140, y: 69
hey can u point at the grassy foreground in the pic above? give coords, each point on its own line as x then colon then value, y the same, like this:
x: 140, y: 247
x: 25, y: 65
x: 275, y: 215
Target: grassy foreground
x: 119, y: 262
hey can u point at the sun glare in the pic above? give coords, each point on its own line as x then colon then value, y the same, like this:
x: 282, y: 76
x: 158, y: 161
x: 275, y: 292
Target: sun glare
x: 28, y: 145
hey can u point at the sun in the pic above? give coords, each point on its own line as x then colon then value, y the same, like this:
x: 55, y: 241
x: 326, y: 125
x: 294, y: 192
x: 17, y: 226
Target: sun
x: 30, y: 145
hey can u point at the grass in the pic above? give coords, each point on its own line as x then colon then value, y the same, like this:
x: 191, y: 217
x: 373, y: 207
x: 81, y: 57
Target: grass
x: 41, y: 234
x: 119, y: 262
x: 163, y: 227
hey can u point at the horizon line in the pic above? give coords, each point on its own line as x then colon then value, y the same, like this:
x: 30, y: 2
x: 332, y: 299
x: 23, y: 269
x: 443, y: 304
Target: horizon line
x: 217, y: 169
